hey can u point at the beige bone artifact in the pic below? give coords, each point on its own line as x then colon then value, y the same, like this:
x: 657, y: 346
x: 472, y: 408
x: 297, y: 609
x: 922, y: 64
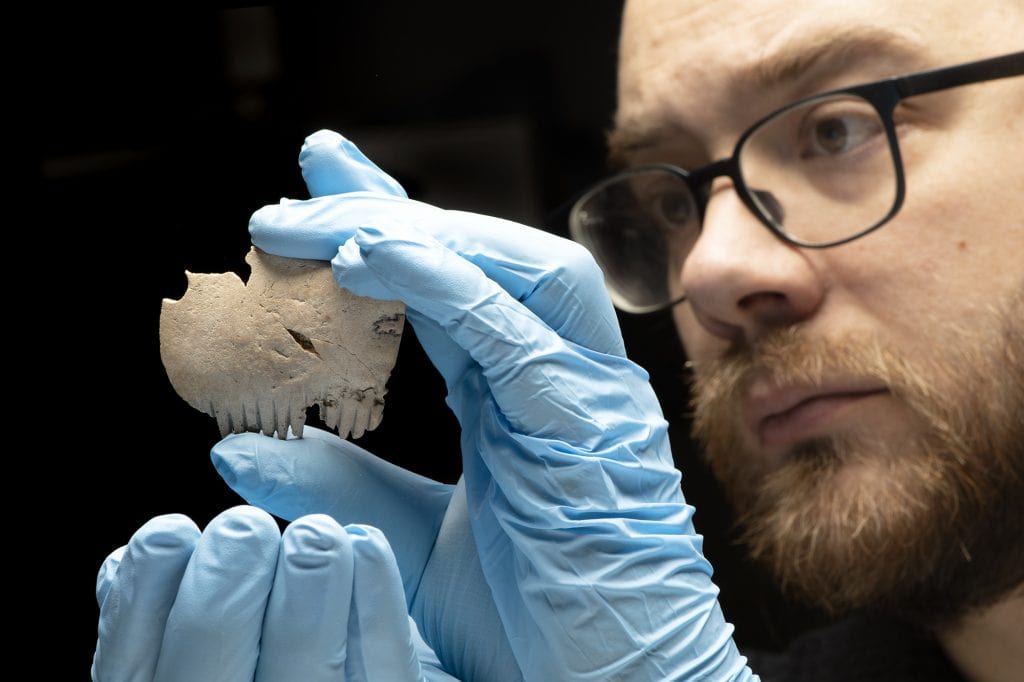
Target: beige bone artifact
x: 256, y: 355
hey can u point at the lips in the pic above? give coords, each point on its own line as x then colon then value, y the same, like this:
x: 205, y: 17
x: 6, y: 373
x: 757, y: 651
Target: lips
x: 780, y: 416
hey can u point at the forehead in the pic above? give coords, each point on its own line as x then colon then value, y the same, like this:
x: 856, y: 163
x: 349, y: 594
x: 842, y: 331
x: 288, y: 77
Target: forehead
x: 713, y: 67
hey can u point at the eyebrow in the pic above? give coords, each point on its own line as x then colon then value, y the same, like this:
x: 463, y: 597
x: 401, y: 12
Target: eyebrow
x: 786, y: 65
x: 793, y: 60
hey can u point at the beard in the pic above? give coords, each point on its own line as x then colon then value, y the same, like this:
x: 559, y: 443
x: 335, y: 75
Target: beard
x: 930, y: 525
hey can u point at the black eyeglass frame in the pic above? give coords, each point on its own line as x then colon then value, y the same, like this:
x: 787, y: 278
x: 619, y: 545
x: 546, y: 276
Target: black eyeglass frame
x: 883, y: 95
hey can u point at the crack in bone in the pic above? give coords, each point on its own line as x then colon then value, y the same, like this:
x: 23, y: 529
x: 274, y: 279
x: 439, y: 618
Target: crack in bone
x: 254, y: 356
x: 303, y: 341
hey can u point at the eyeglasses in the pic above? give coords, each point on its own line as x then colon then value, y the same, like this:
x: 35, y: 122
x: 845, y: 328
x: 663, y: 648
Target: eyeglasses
x: 820, y: 172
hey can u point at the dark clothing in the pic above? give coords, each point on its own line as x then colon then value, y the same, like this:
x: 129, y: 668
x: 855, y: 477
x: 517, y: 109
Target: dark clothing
x: 860, y: 649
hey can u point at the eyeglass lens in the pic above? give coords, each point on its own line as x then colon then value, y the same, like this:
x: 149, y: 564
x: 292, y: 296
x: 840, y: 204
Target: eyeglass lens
x: 817, y: 173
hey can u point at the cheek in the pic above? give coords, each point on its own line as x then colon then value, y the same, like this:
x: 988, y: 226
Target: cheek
x: 965, y: 202
x: 698, y: 344
x: 953, y: 249
x: 686, y: 327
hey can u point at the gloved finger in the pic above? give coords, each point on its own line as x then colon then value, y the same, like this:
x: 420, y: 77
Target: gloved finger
x: 213, y: 629
x: 543, y: 384
x: 305, y: 628
x: 108, y: 569
x: 136, y: 587
x: 332, y: 164
x: 380, y: 641
x: 555, y: 278
x: 314, y: 228
x: 321, y: 473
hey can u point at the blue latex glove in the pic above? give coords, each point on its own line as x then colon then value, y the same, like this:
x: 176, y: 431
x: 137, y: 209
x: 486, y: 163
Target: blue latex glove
x: 425, y: 522
x: 581, y: 529
x: 243, y: 602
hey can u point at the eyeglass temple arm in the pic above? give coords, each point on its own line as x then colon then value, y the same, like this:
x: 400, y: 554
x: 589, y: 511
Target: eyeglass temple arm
x: 951, y: 77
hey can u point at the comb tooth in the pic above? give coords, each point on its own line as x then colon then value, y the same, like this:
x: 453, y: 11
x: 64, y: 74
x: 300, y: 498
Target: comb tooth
x: 267, y: 417
x: 298, y: 417
x: 330, y: 412
x: 236, y: 417
x: 223, y: 419
x: 376, y: 415
x: 251, y: 413
x: 281, y: 420
x: 360, y: 417
x: 245, y: 410
x: 346, y: 418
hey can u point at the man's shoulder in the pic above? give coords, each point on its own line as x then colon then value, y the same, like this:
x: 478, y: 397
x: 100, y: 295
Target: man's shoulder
x: 859, y: 648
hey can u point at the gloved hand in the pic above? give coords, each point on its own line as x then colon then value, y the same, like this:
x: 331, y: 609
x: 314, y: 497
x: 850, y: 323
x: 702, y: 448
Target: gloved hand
x: 426, y: 523
x: 582, y: 532
x: 243, y: 602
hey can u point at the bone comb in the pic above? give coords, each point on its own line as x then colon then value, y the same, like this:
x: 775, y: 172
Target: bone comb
x: 254, y: 356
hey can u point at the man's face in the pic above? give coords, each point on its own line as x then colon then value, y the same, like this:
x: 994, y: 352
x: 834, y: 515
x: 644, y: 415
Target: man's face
x: 862, y: 403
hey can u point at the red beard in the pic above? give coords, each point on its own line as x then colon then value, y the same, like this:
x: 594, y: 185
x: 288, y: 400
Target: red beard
x: 931, y: 525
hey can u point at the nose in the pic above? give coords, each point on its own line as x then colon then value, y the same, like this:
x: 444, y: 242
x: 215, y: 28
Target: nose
x: 740, y: 279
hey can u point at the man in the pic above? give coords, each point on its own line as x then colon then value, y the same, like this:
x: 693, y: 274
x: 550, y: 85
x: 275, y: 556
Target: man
x: 859, y: 398
x: 861, y: 402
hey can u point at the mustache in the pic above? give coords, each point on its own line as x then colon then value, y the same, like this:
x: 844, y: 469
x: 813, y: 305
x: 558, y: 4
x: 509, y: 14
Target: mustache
x: 795, y: 355
x: 792, y: 355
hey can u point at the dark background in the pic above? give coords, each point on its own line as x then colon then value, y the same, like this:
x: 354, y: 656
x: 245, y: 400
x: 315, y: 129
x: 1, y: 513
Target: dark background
x: 154, y: 135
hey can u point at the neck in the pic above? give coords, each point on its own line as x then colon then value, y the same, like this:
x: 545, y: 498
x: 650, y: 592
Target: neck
x: 988, y: 645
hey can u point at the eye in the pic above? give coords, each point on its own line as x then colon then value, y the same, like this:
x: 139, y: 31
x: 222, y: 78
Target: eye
x: 832, y: 135
x: 666, y: 200
x: 836, y: 129
x: 672, y: 207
